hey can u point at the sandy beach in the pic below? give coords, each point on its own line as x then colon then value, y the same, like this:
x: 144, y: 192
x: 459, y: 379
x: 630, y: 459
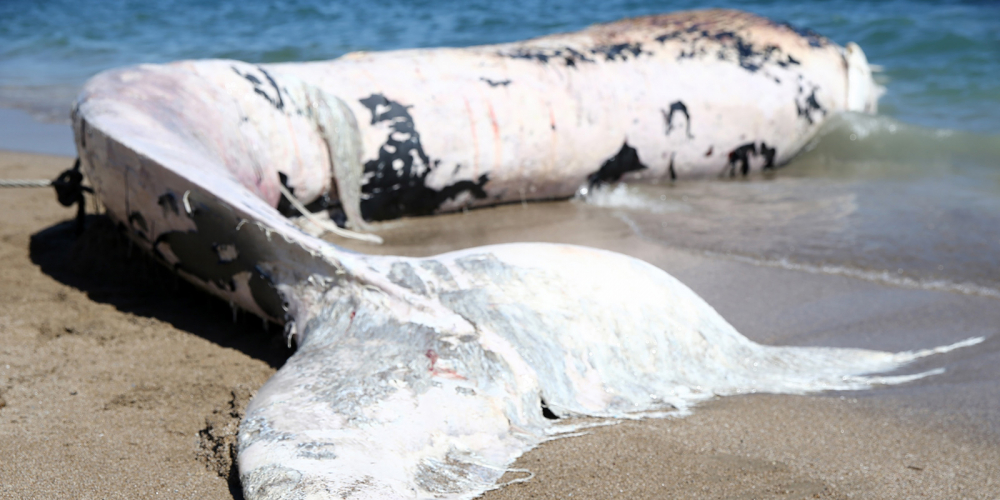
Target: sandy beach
x: 119, y: 381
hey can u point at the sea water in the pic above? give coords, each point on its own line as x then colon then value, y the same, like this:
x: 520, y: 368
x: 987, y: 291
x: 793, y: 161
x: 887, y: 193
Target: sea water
x: 941, y: 60
x: 910, y: 197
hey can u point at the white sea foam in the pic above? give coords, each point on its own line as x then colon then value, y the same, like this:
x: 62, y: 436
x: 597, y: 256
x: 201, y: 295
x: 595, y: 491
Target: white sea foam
x: 883, y: 277
x: 623, y: 196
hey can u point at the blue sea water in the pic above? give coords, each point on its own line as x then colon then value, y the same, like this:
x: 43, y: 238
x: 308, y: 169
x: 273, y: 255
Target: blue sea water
x: 941, y: 60
x: 910, y: 197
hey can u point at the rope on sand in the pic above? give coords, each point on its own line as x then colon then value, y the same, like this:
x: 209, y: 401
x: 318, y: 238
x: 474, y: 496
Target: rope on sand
x: 25, y: 183
x: 69, y: 190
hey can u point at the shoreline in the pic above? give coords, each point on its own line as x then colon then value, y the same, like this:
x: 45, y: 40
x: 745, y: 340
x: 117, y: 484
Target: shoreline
x: 20, y: 132
x: 118, y: 381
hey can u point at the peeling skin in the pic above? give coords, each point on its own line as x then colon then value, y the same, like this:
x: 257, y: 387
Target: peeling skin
x: 420, y: 378
x: 403, y: 275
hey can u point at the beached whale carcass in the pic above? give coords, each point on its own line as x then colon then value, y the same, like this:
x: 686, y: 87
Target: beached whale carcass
x: 414, y: 132
x: 427, y: 377
x: 652, y: 98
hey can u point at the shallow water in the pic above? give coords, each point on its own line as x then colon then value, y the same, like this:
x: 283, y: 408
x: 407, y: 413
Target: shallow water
x: 896, y: 204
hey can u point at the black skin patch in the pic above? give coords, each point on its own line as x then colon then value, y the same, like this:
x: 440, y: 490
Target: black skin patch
x: 668, y: 116
x: 138, y: 223
x: 807, y: 106
x: 571, y: 57
x: 619, y: 52
x: 324, y: 202
x: 198, y: 253
x: 731, y: 46
x: 546, y: 412
x: 673, y: 173
x: 624, y: 161
x: 768, y: 154
x: 394, y: 184
x: 815, y: 39
x: 741, y: 156
x: 497, y: 83
x: 673, y: 35
x: 789, y: 61
x: 285, y: 206
x: 168, y: 201
x: 269, y: 90
x: 338, y: 216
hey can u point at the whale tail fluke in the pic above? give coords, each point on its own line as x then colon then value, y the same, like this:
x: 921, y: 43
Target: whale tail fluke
x: 422, y: 378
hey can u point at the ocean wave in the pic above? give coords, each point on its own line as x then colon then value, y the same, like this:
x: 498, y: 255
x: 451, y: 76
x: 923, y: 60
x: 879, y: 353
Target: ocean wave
x: 630, y: 198
x: 877, y: 276
x: 854, y: 143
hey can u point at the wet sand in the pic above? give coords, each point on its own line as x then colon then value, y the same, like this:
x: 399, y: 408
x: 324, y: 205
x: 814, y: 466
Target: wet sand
x: 119, y: 381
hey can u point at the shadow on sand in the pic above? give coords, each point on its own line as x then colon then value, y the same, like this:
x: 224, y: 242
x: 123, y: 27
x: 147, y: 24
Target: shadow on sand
x: 103, y: 263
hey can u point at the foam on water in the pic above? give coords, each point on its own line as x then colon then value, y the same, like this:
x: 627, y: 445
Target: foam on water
x: 631, y: 198
x: 884, y: 277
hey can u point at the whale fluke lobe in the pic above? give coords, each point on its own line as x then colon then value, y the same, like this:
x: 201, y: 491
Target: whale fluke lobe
x: 419, y: 378
x: 432, y: 387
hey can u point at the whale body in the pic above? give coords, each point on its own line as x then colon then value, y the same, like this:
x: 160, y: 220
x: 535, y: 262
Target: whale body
x: 426, y: 378
x: 414, y: 132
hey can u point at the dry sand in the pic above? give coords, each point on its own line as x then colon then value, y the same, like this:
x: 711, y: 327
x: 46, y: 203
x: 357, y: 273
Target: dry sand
x: 119, y: 381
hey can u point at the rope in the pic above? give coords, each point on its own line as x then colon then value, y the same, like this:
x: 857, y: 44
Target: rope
x: 25, y: 183
x: 326, y: 226
x: 69, y: 190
